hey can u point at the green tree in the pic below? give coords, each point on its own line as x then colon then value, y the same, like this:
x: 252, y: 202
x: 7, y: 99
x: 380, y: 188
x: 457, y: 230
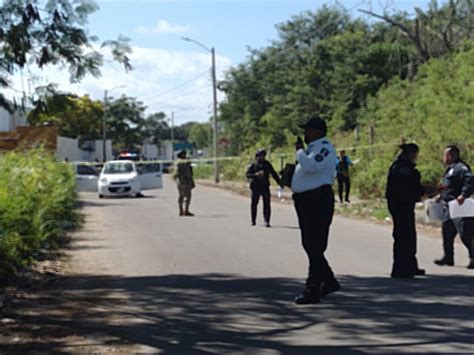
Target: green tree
x: 52, y: 32
x: 75, y: 117
x: 437, y: 31
x: 328, y: 63
x: 125, y: 119
x: 434, y: 110
x: 200, y: 135
x: 156, y: 128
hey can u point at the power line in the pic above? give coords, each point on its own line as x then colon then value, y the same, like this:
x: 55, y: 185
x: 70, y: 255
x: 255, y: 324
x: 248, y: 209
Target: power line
x: 177, y: 87
x: 179, y: 96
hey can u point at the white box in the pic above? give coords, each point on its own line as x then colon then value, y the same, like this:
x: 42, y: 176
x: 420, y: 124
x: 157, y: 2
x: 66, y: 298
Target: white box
x: 461, y: 211
x: 435, y: 211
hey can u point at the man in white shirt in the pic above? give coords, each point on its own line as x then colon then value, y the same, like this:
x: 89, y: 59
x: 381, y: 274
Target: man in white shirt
x: 314, y: 203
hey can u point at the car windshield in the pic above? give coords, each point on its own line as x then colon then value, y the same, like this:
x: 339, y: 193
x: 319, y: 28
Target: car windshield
x: 118, y: 168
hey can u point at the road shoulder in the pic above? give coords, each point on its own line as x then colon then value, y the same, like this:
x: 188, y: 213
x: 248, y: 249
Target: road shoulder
x: 49, y: 307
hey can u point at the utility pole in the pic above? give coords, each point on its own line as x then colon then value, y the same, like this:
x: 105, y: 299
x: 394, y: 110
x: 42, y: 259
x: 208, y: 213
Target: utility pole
x: 104, y: 128
x: 172, y: 135
x: 214, y: 93
x: 215, y: 128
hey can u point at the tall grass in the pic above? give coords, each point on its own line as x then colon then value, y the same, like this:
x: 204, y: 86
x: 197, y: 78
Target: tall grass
x: 37, y: 199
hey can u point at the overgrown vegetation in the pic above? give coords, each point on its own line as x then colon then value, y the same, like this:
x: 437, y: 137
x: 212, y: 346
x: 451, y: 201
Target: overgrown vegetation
x: 434, y: 110
x: 398, y: 79
x: 37, y: 200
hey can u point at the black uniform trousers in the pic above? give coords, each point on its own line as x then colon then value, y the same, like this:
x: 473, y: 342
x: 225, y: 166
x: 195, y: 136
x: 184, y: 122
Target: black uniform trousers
x: 264, y: 192
x: 462, y: 226
x: 344, y: 181
x: 404, y: 237
x: 315, y: 210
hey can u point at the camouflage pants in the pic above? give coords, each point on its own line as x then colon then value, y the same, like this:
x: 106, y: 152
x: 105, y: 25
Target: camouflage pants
x: 184, y: 195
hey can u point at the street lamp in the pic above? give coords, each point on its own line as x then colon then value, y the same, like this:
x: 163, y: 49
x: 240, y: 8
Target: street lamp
x: 214, y: 92
x: 104, y: 121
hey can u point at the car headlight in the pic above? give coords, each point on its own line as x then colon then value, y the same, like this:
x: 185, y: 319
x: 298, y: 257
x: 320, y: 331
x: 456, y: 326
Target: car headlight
x: 103, y: 180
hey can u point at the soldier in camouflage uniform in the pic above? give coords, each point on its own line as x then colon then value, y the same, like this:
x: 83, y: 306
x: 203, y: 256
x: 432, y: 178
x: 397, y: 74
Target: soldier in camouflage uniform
x: 185, y: 182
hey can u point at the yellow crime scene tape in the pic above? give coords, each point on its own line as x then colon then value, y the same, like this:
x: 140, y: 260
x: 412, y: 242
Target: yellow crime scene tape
x: 223, y: 159
x: 159, y: 161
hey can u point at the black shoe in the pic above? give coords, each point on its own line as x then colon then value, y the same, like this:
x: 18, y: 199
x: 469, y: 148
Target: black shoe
x: 402, y: 275
x: 420, y: 272
x: 253, y: 223
x: 471, y: 265
x: 309, y: 296
x: 444, y: 261
x: 267, y: 225
x: 348, y: 201
x: 330, y: 287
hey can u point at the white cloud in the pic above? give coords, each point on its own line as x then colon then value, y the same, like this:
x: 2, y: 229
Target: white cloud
x: 162, y: 27
x: 156, y: 72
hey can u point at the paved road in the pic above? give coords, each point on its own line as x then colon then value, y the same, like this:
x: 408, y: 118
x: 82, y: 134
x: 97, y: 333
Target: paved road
x: 148, y: 280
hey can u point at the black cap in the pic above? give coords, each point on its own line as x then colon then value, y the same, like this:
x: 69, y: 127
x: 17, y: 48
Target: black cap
x: 182, y: 154
x: 261, y: 152
x: 409, y: 148
x: 316, y: 123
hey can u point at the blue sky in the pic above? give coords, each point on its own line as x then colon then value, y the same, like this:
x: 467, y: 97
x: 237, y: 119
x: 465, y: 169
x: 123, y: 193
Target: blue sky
x: 229, y: 25
x: 162, y: 61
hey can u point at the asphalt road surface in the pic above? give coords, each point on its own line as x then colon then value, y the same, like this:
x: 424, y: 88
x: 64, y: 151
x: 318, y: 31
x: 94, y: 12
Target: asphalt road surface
x: 147, y: 280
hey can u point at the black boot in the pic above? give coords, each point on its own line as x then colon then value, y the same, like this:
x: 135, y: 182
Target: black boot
x: 420, y: 272
x: 402, y: 275
x: 309, y: 296
x: 444, y: 261
x: 471, y: 265
x: 330, y: 287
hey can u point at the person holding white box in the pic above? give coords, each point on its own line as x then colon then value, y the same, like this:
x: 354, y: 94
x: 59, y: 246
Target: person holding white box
x: 458, y: 187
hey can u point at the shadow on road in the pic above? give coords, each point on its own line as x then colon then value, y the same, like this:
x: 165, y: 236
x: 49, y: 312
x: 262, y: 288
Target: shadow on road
x: 217, y: 313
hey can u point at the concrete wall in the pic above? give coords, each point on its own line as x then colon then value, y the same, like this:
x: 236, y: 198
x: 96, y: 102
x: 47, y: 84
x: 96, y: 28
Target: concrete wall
x: 6, y: 124
x: 97, y: 154
x: 69, y: 148
x: 9, y: 122
x: 166, y: 151
x: 150, y: 151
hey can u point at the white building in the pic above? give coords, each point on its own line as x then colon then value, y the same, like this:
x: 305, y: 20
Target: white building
x: 9, y: 122
x: 150, y: 151
x: 74, y: 150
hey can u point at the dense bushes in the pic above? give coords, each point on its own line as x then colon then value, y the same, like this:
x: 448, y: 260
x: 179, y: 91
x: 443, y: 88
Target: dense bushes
x: 330, y: 62
x: 434, y: 110
x: 37, y: 200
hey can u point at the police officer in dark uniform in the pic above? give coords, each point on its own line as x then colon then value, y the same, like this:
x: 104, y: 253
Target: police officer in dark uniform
x: 259, y: 175
x: 457, y: 185
x: 404, y: 189
x: 314, y: 203
x: 343, y: 175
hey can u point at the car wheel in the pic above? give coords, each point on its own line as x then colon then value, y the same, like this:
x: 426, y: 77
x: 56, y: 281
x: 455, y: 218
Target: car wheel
x: 101, y: 196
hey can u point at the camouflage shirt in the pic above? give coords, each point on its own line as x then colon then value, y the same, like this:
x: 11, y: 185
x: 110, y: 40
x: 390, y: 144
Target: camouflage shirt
x: 184, y: 174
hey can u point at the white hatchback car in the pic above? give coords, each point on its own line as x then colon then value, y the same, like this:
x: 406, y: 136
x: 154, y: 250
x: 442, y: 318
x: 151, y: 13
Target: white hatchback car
x: 119, y: 178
